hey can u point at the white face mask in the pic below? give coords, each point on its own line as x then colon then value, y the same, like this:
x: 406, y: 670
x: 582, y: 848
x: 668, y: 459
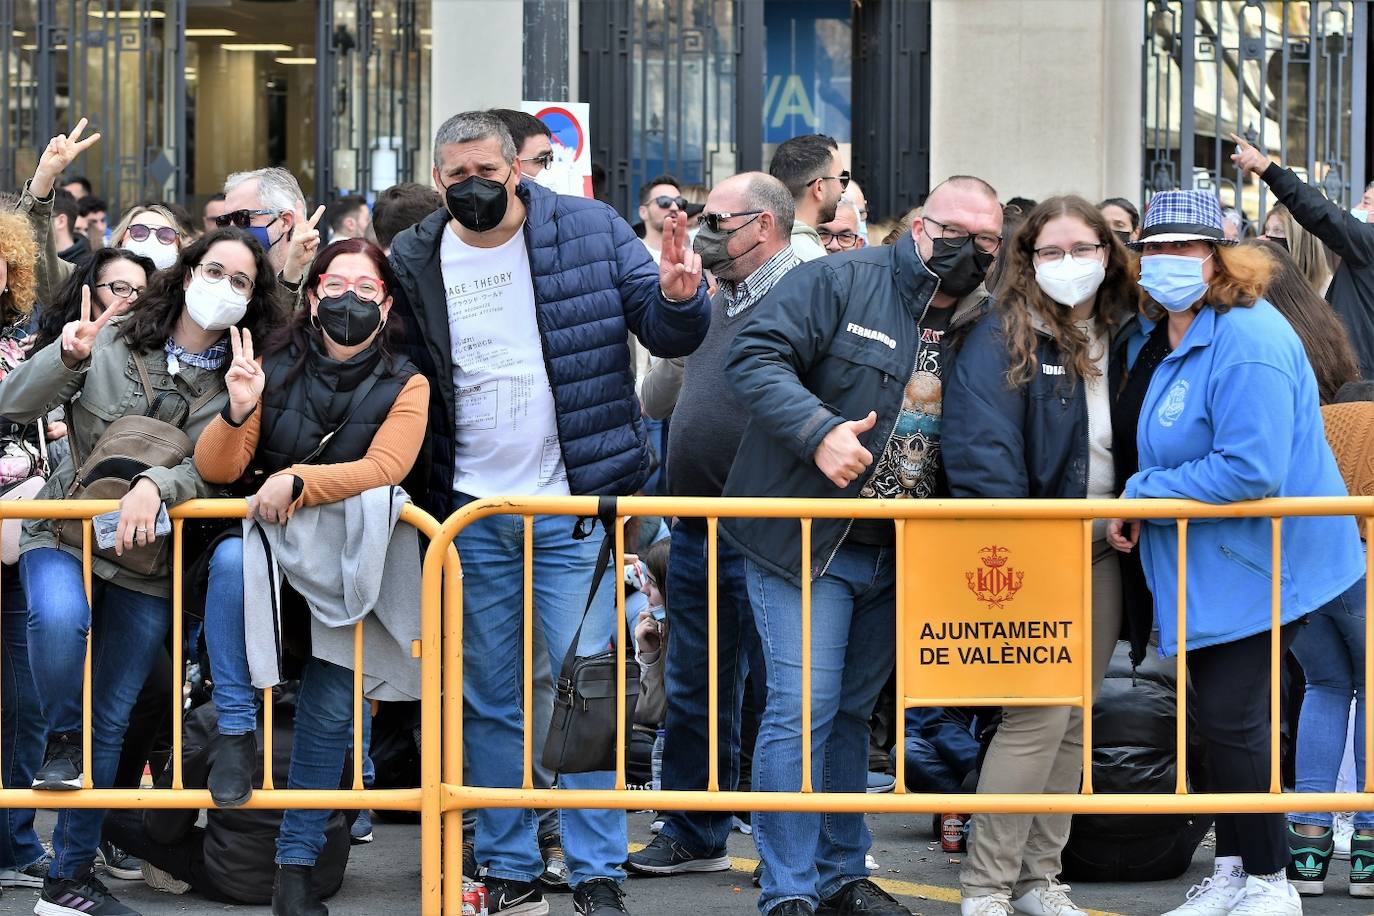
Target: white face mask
x: 1361, y: 215
x: 214, y: 306
x: 546, y: 179
x: 1070, y: 281
x: 162, y: 256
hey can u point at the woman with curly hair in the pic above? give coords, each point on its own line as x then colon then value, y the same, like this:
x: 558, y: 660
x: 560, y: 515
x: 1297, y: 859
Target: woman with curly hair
x: 1232, y: 414
x: 21, y: 732
x: 1029, y: 411
x: 167, y: 360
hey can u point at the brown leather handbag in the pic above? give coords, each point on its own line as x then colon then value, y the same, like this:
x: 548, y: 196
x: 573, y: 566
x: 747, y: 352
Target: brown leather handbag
x: 129, y: 446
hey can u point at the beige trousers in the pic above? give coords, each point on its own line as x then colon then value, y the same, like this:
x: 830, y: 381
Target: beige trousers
x: 1039, y: 749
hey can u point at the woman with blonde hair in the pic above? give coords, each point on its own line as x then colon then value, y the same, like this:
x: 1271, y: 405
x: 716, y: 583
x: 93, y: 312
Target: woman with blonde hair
x: 1306, y: 250
x: 1232, y: 414
x: 22, y: 858
x: 1031, y: 399
x: 153, y: 231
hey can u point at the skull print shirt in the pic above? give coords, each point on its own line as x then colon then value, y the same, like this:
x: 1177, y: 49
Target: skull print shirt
x: 909, y: 464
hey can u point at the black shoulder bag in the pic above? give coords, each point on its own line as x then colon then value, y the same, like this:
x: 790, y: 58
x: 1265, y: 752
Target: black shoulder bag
x: 582, y: 732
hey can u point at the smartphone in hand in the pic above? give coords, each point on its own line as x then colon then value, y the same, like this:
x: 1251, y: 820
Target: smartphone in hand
x: 105, y: 526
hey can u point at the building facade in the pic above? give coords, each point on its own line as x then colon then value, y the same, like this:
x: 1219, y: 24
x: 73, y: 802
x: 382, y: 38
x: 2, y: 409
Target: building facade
x: 1102, y: 97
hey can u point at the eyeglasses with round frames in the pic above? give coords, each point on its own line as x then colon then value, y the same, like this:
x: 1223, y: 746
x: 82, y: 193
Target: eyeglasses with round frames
x: 214, y: 272
x: 368, y: 289
x: 139, y: 232
x: 121, y: 290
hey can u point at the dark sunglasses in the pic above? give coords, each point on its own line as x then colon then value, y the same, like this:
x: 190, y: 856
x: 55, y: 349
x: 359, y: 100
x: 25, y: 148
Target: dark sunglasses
x: 713, y: 221
x: 664, y: 202
x: 842, y: 178
x: 165, y: 234
x: 241, y: 218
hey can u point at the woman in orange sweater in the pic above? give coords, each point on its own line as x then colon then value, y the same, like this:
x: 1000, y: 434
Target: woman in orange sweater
x: 326, y: 414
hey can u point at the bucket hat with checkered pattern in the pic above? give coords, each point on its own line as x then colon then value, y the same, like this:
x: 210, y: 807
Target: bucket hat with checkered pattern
x: 1182, y: 216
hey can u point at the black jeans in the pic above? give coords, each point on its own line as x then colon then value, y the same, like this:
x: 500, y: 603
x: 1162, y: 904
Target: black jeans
x: 1231, y: 685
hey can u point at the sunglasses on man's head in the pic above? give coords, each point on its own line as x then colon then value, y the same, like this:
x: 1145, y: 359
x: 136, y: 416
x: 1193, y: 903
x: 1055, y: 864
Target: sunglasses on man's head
x: 240, y: 218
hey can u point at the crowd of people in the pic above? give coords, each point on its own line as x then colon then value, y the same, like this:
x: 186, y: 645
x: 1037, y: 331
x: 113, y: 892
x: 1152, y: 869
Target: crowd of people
x: 763, y: 337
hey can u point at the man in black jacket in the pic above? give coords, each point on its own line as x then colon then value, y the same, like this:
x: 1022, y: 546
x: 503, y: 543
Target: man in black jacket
x: 1351, y: 293
x: 841, y: 370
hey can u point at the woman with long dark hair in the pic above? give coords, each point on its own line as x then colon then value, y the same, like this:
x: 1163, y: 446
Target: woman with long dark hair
x: 1232, y: 413
x: 165, y: 360
x: 1029, y: 412
x: 328, y: 413
x: 111, y: 277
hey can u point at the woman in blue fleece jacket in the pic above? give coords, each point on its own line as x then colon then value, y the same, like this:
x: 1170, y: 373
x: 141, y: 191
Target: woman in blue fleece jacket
x: 1232, y: 414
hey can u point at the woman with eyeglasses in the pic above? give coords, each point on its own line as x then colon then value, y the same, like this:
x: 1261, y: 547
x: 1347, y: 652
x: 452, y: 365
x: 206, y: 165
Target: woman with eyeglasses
x: 1232, y: 414
x: 153, y: 231
x: 167, y: 359
x: 1030, y: 405
x: 328, y: 412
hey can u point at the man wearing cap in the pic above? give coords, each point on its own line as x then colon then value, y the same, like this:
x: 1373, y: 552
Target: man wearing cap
x: 1351, y: 292
x: 1232, y: 414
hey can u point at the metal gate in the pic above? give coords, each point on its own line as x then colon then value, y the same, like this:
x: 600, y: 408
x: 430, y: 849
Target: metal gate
x: 372, y: 100
x: 1289, y: 75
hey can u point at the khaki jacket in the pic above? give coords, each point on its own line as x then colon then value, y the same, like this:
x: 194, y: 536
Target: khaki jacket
x: 100, y: 391
x: 51, y: 269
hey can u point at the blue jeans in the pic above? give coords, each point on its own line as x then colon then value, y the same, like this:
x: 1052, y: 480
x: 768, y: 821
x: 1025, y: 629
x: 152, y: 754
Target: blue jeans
x: 22, y: 732
x: 685, y: 743
x: 1330, y: 649
x: 225, y: 642
x: 324, y: 732
x: 492, y: 551
x: 810, y: 856
x: 128, y: 631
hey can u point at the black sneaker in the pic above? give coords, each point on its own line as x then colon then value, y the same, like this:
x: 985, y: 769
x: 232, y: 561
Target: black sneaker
x: 1308, y: 859
x: 471, y: 871
x: 758, y: 875
x: 665, y: 856
x: 792, y: 908
x: 80, y: 896
x: 515, y: 898
x: 118, y: 863
x: 556, y: 872
x: 61, y: 769
x: 599, y: 895
x: 28, y: 876
x: 1362, y: 864
x: 862, y: 896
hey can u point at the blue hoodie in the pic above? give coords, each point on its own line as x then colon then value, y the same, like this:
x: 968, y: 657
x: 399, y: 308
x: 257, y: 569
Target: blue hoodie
x: 1232, y: 414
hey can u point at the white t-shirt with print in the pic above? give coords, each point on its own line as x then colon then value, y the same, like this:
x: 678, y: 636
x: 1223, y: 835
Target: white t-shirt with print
x: 506, y: 434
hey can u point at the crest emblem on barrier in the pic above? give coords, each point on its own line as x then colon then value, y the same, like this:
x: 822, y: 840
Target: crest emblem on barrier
x: 996, y: 583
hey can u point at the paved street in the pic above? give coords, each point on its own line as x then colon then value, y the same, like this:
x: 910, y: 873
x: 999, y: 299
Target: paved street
x: 383, y: 879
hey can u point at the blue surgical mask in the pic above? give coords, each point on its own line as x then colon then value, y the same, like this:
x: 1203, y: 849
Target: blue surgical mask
x: 260, y: 233
x: 1173, y: 280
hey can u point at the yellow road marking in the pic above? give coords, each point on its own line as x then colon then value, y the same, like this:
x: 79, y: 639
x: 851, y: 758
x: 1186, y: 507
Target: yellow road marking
x: 892, y: 886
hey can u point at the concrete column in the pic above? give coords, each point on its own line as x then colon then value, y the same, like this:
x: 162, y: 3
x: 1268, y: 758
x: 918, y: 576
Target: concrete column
x: 482, y: 65
x: 1037, y: 98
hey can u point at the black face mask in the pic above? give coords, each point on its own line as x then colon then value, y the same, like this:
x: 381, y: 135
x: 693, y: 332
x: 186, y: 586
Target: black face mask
x: 1282, y: 243
x: 715, y: 257
x: 479, y: 204
x: 960, y: 267
x: 347, y: 319
x: 1123, y: 234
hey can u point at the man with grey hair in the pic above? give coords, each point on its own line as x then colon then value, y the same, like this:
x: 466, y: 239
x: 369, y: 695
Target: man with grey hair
x: 268, y: 203
x: 517, y: 304
x: 842, y: 232
x: 842, y: 374
x: 745, y: 241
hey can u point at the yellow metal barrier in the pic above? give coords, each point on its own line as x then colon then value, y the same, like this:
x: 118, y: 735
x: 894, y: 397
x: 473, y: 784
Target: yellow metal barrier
x: 993, y: 517
x: 425, y: 799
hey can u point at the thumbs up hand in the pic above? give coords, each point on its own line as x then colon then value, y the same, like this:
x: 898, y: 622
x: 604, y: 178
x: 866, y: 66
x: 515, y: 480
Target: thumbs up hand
x: 840, y: 456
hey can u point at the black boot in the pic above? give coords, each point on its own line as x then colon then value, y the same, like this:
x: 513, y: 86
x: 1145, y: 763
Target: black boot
x: 294, y: 893
x: 231, y: 772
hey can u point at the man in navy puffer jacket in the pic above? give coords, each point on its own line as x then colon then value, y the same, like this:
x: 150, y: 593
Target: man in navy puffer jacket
x: 518, y: 304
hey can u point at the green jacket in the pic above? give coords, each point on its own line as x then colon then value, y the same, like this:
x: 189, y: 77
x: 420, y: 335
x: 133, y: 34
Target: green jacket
x: 51, y: 270
x: 100, y: 391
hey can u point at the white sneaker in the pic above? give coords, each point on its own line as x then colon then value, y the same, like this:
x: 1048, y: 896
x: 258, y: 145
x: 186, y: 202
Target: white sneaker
x: 1051, y: 900
x: 987, y: 905
x: 1343, y: 829
x: 1264, y: 898
x: 1209, y: 898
